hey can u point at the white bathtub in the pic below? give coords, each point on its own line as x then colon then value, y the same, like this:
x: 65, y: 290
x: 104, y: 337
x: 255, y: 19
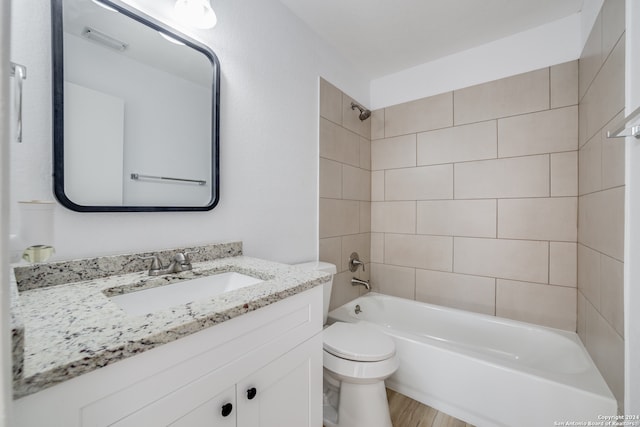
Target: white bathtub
x: 485, y: 370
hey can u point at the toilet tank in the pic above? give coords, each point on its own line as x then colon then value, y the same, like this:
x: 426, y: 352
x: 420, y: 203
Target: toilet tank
x: 324, y: 267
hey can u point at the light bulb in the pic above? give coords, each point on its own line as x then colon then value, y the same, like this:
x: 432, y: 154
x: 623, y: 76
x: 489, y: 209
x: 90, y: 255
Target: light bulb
x: 196, y: 13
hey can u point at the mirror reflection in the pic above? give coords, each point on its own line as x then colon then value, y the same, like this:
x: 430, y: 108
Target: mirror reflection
x: 136, y: 112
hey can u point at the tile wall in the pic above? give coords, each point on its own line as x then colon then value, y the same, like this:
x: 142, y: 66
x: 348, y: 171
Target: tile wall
x: 345, y: 189
x: 474, y: 198
x: 504, y: 198
x: 601, y: 196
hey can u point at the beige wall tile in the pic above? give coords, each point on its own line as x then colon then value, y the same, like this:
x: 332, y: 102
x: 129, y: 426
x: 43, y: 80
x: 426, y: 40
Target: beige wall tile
x: 564, y: 84
x: 377, y: 248
x: 428, y: 252
x: 330, y: 179
x: 460, y: 291
x: 509, y: 259
x: 365, y: 217
x: 564, y: 174
x: 613, y: 158
x: 393, y: 280
x: 469, y: 218
x: 601, y: 213
x: 582, y: 318
x: 377, y: 186
x: 548, y: 131
x: 582, y: 123
x: 606, y: 348
x: 546, y: 305
x: 393, y: 217
x: 390, y: 153
x: 476, y: 141
x: 351, y: 120
x: 524, y: 93
x: 563, y: 264
x: 342, y: 291
x: 605, y: 97
x: 590, y: 113
x: 339, y: 217
x: 516, y: 177
x: 589, y: 273
x: 421, y: 115
x: 365, y: 154
x: 356, y: 183
x: 360, y: 243
x: 590, y: 166
x: 339, y: 144
x: 377, y: 124
x: 591, y: 57
x: 330, y: 102
x: 331, y: 251
x: 613, y: 24
x: 610, y: 81
x: 612, y: 292
x: 601, y: 219
x: 421, y: 183
x: 538, y: 219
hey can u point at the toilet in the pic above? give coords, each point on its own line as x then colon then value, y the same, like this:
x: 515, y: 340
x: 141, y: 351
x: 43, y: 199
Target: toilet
x: 357, y: 358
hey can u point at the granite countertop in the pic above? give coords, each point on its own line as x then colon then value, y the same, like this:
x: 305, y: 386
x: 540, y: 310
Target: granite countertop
x: 62, y: 330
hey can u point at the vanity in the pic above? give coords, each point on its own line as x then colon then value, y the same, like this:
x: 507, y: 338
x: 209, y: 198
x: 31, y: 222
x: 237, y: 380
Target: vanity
x: 245, y: 355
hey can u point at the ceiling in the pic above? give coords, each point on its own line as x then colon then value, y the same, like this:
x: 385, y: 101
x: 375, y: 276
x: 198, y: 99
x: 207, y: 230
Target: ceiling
x: 386, y: 36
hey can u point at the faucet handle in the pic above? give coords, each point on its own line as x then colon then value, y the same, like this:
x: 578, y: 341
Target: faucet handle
x: 180, y: 257
x: 156, y: 264
x: 354, y: 262
x: 187, y: 253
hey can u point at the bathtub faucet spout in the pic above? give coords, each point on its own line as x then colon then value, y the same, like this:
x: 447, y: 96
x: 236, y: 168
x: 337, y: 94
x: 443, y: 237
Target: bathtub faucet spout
x: 355, y: 282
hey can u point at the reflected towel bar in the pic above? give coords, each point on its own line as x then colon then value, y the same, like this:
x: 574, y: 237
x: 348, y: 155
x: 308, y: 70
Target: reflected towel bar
x: 20, y: 73
x: 137, y: 176
x: 623, y: 125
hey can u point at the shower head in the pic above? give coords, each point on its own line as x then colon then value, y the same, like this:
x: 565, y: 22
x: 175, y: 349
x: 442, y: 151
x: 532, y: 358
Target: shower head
x: 364, y: 113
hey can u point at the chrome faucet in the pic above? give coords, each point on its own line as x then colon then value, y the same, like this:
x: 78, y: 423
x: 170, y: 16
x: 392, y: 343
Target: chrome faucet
x: 355, y: 282
x: 180, y: 262
x: 354, y: 262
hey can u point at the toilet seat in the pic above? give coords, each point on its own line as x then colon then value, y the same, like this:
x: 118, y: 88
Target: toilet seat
x: 357, y: 342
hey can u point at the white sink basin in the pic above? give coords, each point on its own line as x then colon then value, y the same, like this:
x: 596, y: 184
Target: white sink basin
x: 161, y: 297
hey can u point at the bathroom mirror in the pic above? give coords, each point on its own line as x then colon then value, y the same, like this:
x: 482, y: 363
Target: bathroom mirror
x: 136, y: 112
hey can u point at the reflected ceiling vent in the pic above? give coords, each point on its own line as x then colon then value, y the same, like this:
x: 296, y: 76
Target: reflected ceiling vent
x: 103, y: 39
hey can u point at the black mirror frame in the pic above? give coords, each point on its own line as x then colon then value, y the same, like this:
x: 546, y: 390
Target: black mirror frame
x: 57, y: 54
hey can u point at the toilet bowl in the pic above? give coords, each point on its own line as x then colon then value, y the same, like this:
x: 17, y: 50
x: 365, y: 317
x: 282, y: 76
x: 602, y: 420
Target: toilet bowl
x: 357, y: 358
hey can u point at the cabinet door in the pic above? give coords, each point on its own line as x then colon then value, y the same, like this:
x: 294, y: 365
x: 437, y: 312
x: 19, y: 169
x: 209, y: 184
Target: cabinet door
x: 196, y: 404
x: 286, y: 392
x: 220, y: 411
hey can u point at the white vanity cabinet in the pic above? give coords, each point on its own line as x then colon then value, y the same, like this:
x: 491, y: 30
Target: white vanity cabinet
x: 263, y: 368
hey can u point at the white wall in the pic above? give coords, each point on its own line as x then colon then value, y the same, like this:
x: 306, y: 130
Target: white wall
x: 6, y: 372
x: 632, y: 213
x: 270, y: 64
x: 540, y: 47
x: 588, y: 16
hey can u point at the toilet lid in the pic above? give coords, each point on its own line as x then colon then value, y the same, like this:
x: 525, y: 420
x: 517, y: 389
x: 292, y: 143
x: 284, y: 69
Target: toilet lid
x: 357, y: 341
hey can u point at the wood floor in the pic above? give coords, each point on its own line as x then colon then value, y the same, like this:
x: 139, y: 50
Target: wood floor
x: 406, y: 412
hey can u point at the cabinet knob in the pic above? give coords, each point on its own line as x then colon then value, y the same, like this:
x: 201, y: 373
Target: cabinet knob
x: 226, y: 409
x: 251, y: 393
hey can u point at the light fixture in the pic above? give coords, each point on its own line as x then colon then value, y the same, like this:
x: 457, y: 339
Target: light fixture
x: 103, y: 39
x: 196, y: 13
